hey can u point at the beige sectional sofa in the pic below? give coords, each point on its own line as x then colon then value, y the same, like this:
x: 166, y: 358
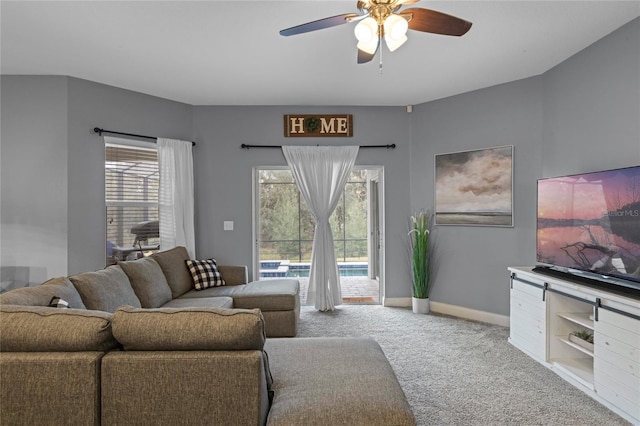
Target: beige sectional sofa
x: 163, y: 280
x: 174, y: 358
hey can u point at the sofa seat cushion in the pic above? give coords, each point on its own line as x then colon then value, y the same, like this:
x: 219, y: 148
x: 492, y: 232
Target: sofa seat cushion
x: 188, y: 329
x: 44, y: 329
x: 148, y: 282
x: 201, y: 302
x: 268, y: 295
x: 334, y: 381
x: 41, y: 295
x: 173, y: 264
x: 105, y: 290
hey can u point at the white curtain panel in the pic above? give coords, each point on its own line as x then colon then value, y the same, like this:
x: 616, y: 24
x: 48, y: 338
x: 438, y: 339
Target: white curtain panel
x: 176, y: 204
x: 321, y: 172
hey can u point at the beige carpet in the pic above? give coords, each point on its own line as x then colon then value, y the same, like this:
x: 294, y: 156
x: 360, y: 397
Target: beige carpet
x: 457, y: 372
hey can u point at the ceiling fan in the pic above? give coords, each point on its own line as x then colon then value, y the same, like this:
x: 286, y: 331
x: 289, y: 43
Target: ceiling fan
x: 385, y: 19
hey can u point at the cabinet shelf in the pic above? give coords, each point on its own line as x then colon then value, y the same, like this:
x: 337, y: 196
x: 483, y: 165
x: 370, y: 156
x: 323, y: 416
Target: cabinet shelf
x: 580, y: 318
x: 579, y: 368
x: 575, y: 346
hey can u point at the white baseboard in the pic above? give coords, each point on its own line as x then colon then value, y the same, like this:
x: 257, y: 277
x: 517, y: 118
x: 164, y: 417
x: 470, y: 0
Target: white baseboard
x: 453, y: 310
x: 468, y: 313
x: 397, y: 302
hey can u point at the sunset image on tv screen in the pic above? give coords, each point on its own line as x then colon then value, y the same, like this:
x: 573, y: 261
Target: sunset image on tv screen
x: 591, y: 222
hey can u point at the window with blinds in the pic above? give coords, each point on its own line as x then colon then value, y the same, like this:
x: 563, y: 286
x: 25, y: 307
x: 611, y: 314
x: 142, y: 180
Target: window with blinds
x: 131, y: 199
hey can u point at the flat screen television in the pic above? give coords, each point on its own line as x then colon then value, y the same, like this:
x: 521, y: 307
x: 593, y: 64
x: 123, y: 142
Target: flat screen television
x: 588, y: 225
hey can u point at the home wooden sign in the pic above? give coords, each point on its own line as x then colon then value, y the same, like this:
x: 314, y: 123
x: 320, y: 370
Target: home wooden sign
x: 318, y: 125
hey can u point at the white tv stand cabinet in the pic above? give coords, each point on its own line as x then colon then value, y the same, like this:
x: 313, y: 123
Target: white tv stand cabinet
x: 546, y: 309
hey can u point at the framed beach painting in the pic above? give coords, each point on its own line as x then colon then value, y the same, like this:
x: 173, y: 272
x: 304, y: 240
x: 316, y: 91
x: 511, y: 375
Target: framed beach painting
x: 475, y: 188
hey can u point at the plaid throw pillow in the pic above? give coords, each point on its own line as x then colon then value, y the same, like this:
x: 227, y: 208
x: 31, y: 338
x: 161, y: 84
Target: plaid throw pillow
x: 57, y: 302
x: 205, y: 273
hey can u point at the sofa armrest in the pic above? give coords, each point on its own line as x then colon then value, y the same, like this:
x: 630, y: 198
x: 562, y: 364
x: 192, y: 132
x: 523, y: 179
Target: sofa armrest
x: 234, y: 274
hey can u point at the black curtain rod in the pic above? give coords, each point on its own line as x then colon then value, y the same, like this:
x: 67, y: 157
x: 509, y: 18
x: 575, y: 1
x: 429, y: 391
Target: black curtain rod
x: 245, y: 146
x: 101, y: 131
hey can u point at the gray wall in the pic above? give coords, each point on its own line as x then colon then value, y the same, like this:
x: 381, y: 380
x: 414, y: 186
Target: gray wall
x: 33, y: 180
x: 580, y: 116
x: 592, y: 107
x: 472, y: 261
x: 91, y: 105
x: 224, y: 170
x: 53, y: 214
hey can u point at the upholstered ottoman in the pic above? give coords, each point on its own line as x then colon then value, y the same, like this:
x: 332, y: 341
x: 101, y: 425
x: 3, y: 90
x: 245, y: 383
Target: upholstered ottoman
x: 334, y: 381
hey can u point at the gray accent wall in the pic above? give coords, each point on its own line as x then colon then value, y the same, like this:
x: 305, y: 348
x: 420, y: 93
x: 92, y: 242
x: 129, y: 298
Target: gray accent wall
x: 53, y: 211
x: 582, y: 115
x: 90, y: 105
x: 224, y: 174
x: 592, y: 107
x: 33, y: 180
x: 471, y: 262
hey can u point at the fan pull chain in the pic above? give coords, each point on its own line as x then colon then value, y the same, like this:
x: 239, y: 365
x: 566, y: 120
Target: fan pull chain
x: 380, y: 49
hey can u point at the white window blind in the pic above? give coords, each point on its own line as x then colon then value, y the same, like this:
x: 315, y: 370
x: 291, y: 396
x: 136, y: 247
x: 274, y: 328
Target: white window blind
x: 131, y: 199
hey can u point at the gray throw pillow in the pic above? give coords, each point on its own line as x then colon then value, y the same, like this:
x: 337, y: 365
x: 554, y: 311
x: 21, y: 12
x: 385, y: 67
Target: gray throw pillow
x: 175, y: 269
x: 41, y: 295
x: 148, y: 282
x: 105, y: 290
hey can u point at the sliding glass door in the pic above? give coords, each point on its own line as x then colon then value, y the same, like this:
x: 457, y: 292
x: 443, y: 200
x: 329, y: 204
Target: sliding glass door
x: 284, y: 230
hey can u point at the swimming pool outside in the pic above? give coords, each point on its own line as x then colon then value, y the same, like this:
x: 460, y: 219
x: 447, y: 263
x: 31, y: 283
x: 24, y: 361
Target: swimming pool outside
x: 284, y: 268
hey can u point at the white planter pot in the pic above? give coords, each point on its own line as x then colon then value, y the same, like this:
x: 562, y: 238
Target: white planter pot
x: 420, y: 306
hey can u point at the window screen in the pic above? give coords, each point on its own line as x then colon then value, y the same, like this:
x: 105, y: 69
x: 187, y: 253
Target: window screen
x: 131, y: 199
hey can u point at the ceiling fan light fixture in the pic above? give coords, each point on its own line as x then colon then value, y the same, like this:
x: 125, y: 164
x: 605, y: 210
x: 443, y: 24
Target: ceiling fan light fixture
x: 395, y: 31
x: 393, y: 44
x: 367, y: 34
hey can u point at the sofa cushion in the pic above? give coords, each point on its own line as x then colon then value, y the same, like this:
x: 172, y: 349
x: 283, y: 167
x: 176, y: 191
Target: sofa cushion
x: 44, y: 329
x: 350, y: 375
x: 188, y: 329
x: 41, y: 295
x: 268, y: 295
x: 201, y: 302
x: 173, y: 264
x: 205, y: 273
x: 105, y: 290
x: 148, y: 282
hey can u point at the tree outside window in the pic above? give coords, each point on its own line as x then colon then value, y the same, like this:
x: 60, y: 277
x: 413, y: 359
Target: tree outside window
x: 287, y: 226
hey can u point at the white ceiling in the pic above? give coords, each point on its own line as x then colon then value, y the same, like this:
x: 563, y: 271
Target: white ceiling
x: 230, y: 52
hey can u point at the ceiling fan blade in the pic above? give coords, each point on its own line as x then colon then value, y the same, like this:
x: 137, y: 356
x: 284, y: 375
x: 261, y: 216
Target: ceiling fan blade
x: 319, y: 24
x: 431, y: 21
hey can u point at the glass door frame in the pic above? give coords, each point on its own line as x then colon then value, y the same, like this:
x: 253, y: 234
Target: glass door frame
x: 376, y: 174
